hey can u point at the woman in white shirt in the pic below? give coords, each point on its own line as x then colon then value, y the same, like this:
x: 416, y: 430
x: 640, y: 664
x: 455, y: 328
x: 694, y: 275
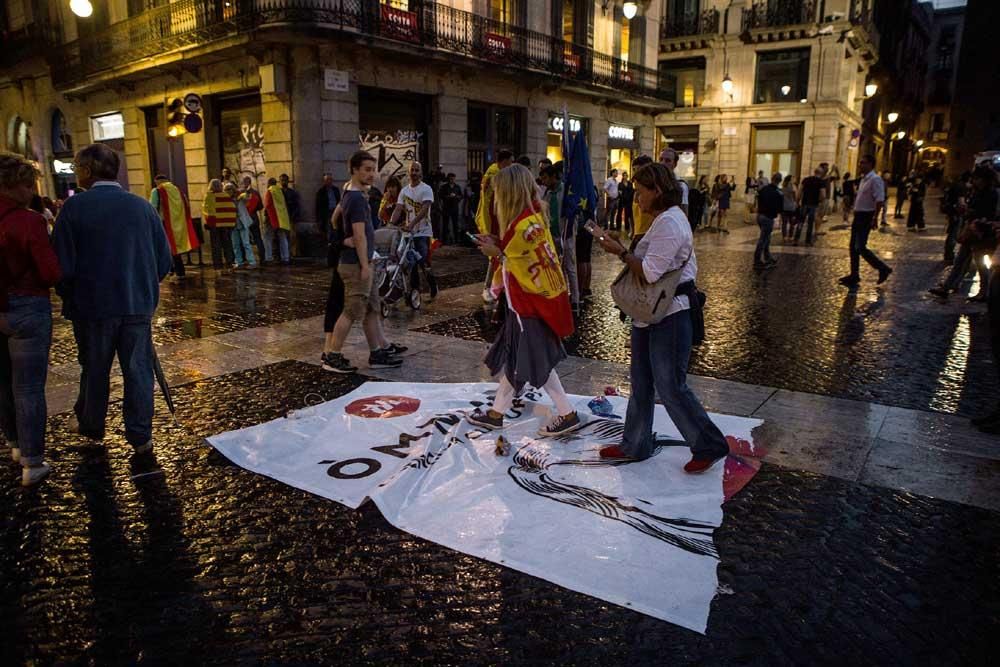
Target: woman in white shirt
x: 660, y: 351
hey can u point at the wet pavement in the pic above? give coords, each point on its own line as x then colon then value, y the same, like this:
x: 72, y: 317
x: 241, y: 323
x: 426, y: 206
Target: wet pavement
x: 870, y: 534
x: 211, y: 564
x: 793, y: 327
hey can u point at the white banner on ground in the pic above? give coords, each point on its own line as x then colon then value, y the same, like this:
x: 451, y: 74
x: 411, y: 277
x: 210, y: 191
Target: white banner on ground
x: 635, y: 534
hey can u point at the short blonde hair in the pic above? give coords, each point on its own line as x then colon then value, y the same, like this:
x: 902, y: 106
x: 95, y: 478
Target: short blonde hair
x: 513, y: 192
x: 215, y: 185
x: 229, y: 186
x: 16, y: 170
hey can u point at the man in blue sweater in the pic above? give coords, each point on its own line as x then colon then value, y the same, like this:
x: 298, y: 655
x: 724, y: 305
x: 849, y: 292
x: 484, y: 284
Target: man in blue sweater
x: 113, y: 252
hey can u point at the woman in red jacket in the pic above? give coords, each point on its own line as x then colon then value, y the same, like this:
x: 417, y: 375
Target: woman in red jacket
x: 28, y: 268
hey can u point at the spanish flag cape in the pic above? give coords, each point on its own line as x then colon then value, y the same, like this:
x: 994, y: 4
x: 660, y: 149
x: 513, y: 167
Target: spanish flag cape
x: 532, y: 275
x: 486, y: 219
x: 277, y: 210
x: 176, y: 215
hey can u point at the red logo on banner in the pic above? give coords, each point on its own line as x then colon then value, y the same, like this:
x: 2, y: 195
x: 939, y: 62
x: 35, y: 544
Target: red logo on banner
x: 383, y: 407
x: 497, y: 47
x: 399, y: 24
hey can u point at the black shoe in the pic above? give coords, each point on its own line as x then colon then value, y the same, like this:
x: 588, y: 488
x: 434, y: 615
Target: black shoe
x: 394, y: 349
x: 560, y: 425
x: 433, y: 284
x: 382, y: 359
x: 771, y: 262
x: 883, y: 275
x: 484, y: 419
x: 939, y: 291
x: 850, y: 281
x: 335, y: 362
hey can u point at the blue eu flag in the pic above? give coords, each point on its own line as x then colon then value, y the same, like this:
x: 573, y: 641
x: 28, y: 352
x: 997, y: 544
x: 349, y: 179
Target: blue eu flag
x: 580, y: 198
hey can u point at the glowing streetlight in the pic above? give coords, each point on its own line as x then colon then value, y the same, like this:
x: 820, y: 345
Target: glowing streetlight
x: 900, y: 135
x: 81, y: 8
x: 871, y: 89
x: 727, y: 84
x: 919, y: 143
x: 785, y: 89
x: 629, y: 10
x: 892, y: 116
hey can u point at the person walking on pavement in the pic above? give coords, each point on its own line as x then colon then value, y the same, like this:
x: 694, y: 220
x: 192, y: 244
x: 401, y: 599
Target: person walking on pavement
x: 722, y: 193
x: 625, y: 198
x: 219, y: 212
x: 867, y: 206
x: 255, y: 204
x: 413, y: 210
x: 770, y: 203
x: 848, y: 191
x: 28, y: 269
x: 175, y: 212
x: 279, y: 219
x: 902, y: 185
x: 661, y: 350
x: 327, y: 198
x: 812, y: 192
x: 450, y: 196
x: 917, y: 190
x: 361, y: 295
x: 529, y: 346
x: 240, y: 235
x: 113, y: 252
x: 789, y: 205
x: 611, y: 199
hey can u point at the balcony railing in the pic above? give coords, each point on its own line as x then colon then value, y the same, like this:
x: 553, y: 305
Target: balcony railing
x: 689, y: 25
x: 432, y: 26
x: 778, y: 14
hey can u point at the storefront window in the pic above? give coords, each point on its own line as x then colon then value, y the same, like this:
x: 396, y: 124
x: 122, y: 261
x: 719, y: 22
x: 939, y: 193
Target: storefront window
x: 553, y: 145
x: 782, y: 76
x: 776, y: 149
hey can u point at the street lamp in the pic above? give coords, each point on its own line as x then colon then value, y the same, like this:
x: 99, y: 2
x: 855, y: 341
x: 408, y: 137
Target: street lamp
x: 785, y: 89
x: 629, y: 10
x: 81, y: 8
x: 871, y: 89
x: 727, y: 84
x: 892, y: 117
x: 900, y: 135
x: 919, y: 143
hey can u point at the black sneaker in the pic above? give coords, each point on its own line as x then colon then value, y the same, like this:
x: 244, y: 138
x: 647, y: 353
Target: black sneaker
x: 383, y: 359
x: 335, y: 362
x: 883, y: 276
x: 560, y: 425
x: 484, y: 419
x: 850, y: 281
x: 394, y: 349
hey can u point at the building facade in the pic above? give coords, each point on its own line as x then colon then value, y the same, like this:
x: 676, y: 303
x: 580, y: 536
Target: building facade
x: 296, y: 86
x: 932, y: 135
x: 764, y: 85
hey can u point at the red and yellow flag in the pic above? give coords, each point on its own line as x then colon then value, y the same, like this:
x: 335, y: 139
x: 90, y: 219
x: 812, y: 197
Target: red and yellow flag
x: 532, y: 274
x: 176, y: 215
x: 277, y: 209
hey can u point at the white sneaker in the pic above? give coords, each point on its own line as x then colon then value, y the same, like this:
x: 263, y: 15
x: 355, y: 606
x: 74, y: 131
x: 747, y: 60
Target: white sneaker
x: 32, y: 475
x: 15, y: 452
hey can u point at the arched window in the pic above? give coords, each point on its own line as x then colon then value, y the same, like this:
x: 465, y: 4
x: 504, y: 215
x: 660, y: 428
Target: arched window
x: 19, y: 137
x: 62, y: 141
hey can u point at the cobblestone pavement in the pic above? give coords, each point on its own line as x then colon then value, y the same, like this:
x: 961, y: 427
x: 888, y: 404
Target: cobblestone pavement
x: 211, y: 564
x: 794, y: 327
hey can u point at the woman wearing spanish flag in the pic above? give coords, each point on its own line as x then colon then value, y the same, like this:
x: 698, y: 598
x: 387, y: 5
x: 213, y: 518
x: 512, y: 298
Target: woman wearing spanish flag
x: 528, y: 348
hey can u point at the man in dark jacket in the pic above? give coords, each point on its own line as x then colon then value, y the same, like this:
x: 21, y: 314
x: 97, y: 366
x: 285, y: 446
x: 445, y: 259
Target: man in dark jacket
x: 327, y: 198
x: 113, y: 252
x: 770, y: 203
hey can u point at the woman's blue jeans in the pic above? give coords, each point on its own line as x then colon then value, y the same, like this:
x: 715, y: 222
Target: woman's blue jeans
x: 660, y: 355
x: 25, y: 339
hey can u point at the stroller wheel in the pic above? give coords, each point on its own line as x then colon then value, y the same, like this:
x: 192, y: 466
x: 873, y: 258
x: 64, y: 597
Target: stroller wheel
x: 386, y: 309
x: 413, y: 298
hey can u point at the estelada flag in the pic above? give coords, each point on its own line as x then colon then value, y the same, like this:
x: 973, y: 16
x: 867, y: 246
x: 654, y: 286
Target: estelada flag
x: 532, y: 274
x: 176, y: 215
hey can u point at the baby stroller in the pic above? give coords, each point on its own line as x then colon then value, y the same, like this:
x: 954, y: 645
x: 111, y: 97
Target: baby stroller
x: 393, y: 267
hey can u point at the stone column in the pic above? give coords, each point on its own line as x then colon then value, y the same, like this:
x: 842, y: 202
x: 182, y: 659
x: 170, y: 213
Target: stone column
x: 139, y: 178
x: 537, y: 118
x: 451, y: 123
x: 340, y: 131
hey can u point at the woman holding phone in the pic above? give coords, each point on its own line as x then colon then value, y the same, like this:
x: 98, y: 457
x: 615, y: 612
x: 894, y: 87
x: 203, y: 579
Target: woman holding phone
x: 529, y: 346
x: 660, y: 350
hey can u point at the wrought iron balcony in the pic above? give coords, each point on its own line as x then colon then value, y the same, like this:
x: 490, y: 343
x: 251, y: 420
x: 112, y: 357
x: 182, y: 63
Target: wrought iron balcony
x: 690, y: 25
x: 779, y: 14
x: 432, y: 26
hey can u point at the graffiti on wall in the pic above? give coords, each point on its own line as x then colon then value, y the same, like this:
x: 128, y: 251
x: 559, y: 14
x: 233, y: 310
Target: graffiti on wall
x: 251, y: 160
x: 392, y: 151
x: 243, y: 143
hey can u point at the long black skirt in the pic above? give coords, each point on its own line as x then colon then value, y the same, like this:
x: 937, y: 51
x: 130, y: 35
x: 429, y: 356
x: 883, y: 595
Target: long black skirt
x: 525, y: 357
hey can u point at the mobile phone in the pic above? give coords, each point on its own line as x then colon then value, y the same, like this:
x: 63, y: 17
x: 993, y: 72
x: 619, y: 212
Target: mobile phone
x: 594, y: 229
x: 472, y: 238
